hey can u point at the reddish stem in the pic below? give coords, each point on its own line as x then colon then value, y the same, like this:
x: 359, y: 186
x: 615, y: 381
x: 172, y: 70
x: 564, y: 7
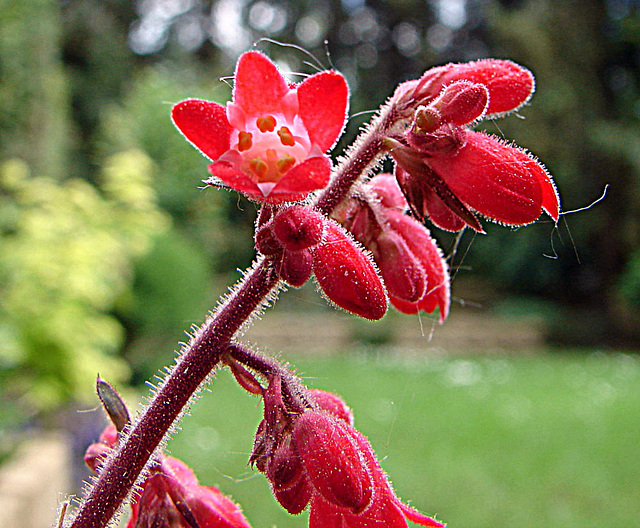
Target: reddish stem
x: 199, y: 358
x: 123, y: 468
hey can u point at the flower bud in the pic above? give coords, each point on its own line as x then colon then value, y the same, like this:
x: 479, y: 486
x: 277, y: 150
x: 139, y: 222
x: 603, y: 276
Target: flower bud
x: 288, y: 479
x: 462, y: 102
x: 266, y: 242
x: 347, y: 276
x: 298, y: 227
x: 403, y: 275
x: 333, y: 404
x: 295, y: 267
x: 332, y: 461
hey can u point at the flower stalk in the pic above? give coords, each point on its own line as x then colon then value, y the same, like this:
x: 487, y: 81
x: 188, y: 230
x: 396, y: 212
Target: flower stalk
x: 122, y: 470
x: 203, y: 354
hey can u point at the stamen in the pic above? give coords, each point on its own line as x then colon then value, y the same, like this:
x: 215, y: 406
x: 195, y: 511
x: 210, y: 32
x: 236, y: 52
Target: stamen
x: 285, y: 163
x: 286, y: 137
x: 259, y: 166
x: 245, y: 141
x: 266, y: 123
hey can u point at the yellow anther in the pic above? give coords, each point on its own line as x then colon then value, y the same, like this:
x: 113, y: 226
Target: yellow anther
x: 245, y: 141
x: 259, y: 166
x: 266, y: 123
x: 285, y: 163
x: 286, y: 137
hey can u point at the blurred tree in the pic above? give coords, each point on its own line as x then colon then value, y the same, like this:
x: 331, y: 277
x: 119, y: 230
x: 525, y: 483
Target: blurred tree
x: 584, y: 124
x: 34, y: 124
x: 67, y: 251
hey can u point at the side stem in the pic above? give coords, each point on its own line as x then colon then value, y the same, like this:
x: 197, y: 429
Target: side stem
x: 121, y: 471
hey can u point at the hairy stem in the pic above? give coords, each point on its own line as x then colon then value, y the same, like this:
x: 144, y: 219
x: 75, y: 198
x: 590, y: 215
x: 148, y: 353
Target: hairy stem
x: 361, y: 157
x: 203, y: 353
x: 199, y: 358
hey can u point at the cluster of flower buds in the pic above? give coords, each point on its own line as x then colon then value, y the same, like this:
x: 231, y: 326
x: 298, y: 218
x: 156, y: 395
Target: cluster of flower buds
x: 171, y: 495
x: 411, y: 264
x: 303, y: 241
x: 317, y: 458
x: 449, y: 172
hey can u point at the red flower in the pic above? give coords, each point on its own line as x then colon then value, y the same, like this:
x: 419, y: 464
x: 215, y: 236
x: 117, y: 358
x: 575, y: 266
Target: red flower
x: 268, y: 143
x: 171, y: 495
x: 449, y: 172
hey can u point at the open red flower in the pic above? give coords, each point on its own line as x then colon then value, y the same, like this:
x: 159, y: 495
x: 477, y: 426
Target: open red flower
x: 269, y: 143
x: 449, y: 172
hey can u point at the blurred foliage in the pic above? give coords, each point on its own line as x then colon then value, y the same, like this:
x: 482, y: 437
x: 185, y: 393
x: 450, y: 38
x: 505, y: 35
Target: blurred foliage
x: 67, y: 251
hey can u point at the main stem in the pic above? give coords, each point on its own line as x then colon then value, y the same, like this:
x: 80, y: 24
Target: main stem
x: 203, y: 353
x: 200, y: 357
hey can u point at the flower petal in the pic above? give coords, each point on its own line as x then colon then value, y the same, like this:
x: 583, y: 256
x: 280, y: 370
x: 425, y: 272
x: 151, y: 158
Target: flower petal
x: 430, y: 257
x: 439, y: 214
x: 259, y: 87
x: 236, y: 179
x: 493, y: 178
x: 323, y: 100
x: 308, y: 176
x: 331, y: 461
x: 205, y: 126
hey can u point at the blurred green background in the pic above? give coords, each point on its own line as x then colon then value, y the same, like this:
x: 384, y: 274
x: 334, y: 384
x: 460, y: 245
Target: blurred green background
x: 110, y: 251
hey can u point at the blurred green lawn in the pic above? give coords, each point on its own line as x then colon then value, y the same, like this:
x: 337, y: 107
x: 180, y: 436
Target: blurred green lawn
x: 544, y: 440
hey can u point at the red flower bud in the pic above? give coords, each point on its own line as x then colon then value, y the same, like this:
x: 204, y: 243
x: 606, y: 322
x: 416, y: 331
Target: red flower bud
x: 333, y: 404
x: 298, y: 227
x: 295, y: 267
x: 403, y: 274
x: 347, y: 276
x: 332, y: 462
x: 462, y: 102
x: 266, y: 242
x: 288, y: 479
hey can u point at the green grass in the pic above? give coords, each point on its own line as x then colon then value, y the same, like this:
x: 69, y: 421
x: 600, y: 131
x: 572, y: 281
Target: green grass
x: 547, y: 440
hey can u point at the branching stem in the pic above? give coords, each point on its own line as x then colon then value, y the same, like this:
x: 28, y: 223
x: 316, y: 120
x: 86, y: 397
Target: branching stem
x: 203, y: 353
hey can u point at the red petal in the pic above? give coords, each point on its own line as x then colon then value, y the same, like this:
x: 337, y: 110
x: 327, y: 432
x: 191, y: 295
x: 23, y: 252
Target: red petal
x: 323, y: 99
x: 236, y: 179
x: 440, y: 214
x: 384, y: 513
x: 493, y: 178
x: 333, y: 404
x: 401, y: 270
x: 259, y: 87
x: 205, y: 126
x: 550, y: 199
x: 310, y: 175
x: 509, y: 84
x: 347, y: 276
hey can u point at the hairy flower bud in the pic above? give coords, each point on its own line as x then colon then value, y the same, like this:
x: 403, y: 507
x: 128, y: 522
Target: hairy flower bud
x: 298, y: 227
x: 462, y: 102
x: 347, y: 276
x: 331, y: 461
x: 295, y: 267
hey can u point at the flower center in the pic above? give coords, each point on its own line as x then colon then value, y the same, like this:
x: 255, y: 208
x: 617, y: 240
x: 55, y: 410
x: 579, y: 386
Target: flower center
x: 270, y: 146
